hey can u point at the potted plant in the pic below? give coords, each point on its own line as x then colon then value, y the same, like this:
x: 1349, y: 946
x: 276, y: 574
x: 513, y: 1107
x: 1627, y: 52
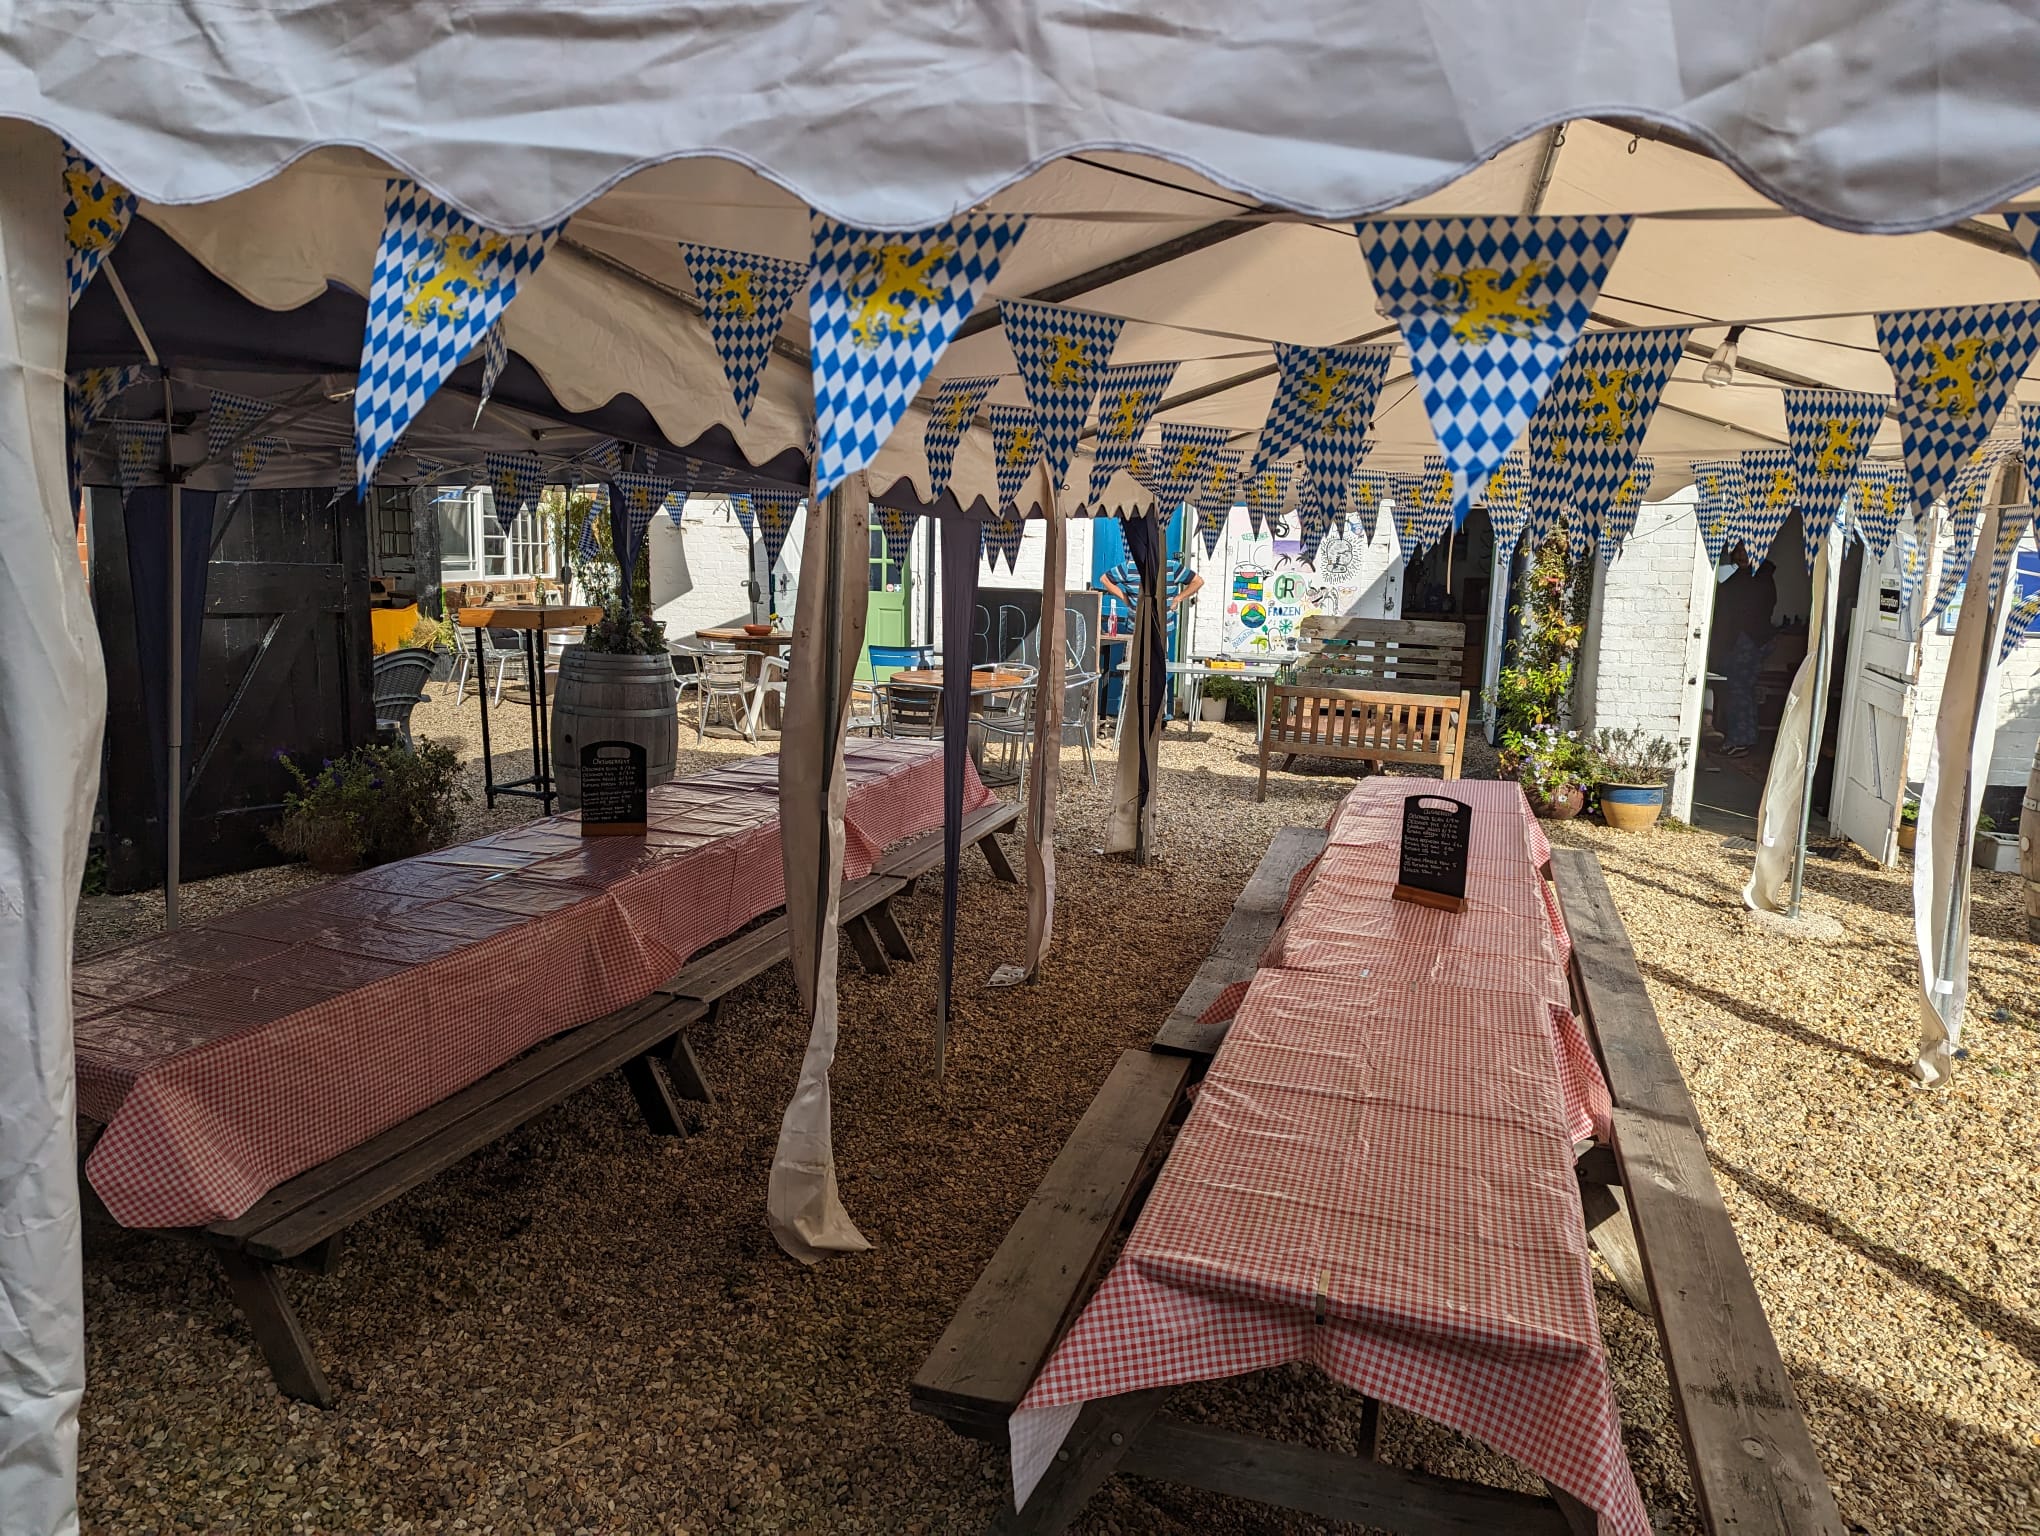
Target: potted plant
x: 441, y: 637
x: 1633, y: 769
x: 1993, y: 850
x: 1553, y: 766
x: 380, y: 802
x: 1909, y: 824
x: 616, y: 685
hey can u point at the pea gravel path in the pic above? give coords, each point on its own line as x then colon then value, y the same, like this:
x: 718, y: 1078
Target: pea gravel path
x: 587, y: 1329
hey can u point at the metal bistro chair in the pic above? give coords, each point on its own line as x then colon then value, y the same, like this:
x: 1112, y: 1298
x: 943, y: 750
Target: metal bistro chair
x: 725, y: 676
x: 499, y: 646
x: 1002, y: 736
x: 1080, y: 709
x: 910, y: 710
x: 399, y: 687
x: 767, y: 683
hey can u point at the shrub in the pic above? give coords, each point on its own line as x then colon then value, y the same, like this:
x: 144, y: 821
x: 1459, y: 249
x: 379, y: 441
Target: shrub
x: 430, y: 634
x: 1533, y: 690
x: 1548, y: 760
x: 1634, y: 756
x: 378, y: 803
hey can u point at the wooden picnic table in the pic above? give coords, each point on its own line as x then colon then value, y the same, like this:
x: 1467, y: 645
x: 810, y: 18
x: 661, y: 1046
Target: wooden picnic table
x: 531, y: 621
x: 983, y: 680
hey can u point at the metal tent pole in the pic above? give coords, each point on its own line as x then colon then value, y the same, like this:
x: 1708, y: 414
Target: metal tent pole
x: 173, y: 809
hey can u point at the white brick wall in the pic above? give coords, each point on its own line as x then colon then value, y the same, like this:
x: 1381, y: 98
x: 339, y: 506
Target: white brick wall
x: 2018, y: 720
x: 698, y: 571
x: 1644, y: 653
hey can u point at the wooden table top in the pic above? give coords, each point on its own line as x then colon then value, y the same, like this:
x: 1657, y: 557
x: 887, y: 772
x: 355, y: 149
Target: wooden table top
x: 980, y: 677
x: 778, y: 637
x: 528, y: 616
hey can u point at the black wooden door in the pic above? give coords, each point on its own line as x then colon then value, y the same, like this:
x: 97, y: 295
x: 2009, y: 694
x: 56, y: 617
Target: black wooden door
x: 283, y: 661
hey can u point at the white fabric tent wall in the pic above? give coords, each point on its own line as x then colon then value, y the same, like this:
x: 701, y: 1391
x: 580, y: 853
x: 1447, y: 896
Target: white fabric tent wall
x: 53, y: 703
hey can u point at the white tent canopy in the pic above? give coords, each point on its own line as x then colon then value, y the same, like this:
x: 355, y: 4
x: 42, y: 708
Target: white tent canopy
x: 1155, y: 148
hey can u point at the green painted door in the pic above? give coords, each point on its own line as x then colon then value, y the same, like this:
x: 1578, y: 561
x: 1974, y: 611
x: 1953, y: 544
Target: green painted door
x: 885, y: 616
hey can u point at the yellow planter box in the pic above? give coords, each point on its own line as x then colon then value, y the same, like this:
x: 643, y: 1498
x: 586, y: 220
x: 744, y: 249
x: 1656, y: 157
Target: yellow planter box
x: 389, y: 627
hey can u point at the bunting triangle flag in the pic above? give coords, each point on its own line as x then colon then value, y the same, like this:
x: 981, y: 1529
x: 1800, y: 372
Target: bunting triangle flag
x: 2012, y: 525
x: 1879, y: 498
x: 1063, y: 355
x: 1365, y: 498
x: 495, y: 353
x: 1955, y: 369
x: 97, y: 212
x: 1720, y: 506
x: 589, y: 547
x: 1623, y: 511
x: 775, y: 511
x: 1769, y: 493
x: 1579, y: 535
x: 1319, y: 389
x: 1331, y: 456
x: 1128, y: 395
x: 229, y: 417
x: 1911, y: 563
x: 1954, y: 568
x: 744, y: 298
x: 1016, y: 448
x: 606, y: 459
x: 1490, y: 307
x: 87, y: 394
x: 1829, y: 431
x: 897, y: 528
x: 2029, y: 434
x: 637, y: 499
x: 1313, y: 519
x: 1001, y: 536
x: 1215, y: 498
x: 1504, y: 499
x: 516, y: 481
x: 1183, y: 462
x: 676, y: 504
x: 1267, y: 494
x: 882, y: 307
x: 440, y: 282
x: 2021, y: 624
x: 141, y: 449
x: 1610, y: 396
x: 951, y: 412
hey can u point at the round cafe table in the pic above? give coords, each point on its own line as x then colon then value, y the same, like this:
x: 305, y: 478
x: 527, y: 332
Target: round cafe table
x: 983, y: 680
x: 758, y: 646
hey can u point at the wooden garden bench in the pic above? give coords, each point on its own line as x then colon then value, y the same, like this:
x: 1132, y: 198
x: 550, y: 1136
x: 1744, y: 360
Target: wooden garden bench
x: 298, y: 1224
x: 1371, y: 690
x: 1755, y: 1472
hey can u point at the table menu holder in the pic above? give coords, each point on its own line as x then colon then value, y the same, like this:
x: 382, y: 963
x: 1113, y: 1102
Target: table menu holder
x: 613, y: 789
x: 1437, y: 832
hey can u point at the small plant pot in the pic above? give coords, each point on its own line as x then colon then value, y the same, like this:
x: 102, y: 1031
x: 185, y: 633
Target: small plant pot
x: 1997, y: 852
x: 1908, y: 834
x: 1213, y: 711
x: 1632, y: 807
x: 1559, y: 805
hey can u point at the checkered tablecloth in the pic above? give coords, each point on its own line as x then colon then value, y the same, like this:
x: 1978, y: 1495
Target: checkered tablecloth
x: 228, y: 1056
x: 1377, y: 1173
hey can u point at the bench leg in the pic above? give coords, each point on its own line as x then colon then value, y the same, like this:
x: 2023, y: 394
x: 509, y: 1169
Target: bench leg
x: 1002, y: 867
x: 1606, y: 1209
x: 885, y: 922
x: 1582, y: 1520
x: 869, y: 951
x: 258, y: 1292
x: 689, y: 1081
x: 1097, y: 1443
x: 653, y: 1090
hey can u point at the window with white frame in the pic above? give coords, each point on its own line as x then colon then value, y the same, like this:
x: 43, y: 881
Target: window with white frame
x: 473, y: 546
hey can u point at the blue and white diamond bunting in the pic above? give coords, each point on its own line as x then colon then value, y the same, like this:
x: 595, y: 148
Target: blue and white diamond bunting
x: 516, y: 481
x: 1720, y: 504
x: 897, y: 528
x: 951, y: 412
x: 1829, y: 431
x: 1216, y: 497
x: 1408, y: 509
x: 1769, y: 492
x: 97, y: 212
x: 1183, y: 460
x: 1490, y: 308
x: 1001, y: 537
x: 1016, y: 448
x: 1609, y: 390
x: 1320, y: 389
x: 140, y: 448
x: 495, y: 353
x: 1880, y: 498
x: 1128, y: 394
x: 1954, y: 370
x: 598, y: 506
x: 440, y: 282
x: 1506, y: 484
x: 230, y: 440
x: 882, y: 307
x: 1620, y: 522
x: 1331, y: 456
x: 637, y: 499
x: 2021, y: 624
x: 1911, y: 561
x: 1365, y: 496
x: 1063, y: 356
x: 744, y: 298
x: 775, y: 511
x: 1267, y: 495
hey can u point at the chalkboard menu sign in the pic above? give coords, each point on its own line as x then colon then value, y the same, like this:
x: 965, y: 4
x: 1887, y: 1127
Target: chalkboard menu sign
x: 1436, y: 833
x: 613, y: 779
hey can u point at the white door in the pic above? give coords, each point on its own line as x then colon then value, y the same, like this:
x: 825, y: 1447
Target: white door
x: 1878, y: 694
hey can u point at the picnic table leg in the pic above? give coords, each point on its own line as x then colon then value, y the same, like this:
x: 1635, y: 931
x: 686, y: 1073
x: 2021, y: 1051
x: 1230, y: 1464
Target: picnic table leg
x: 870, y: 953
x: 653, y: 1090
x: 689, y: 1081
x: 258, y: 1292
x: 886, y: 924
x: 1606, y: 1210
x: 1097, y: 1443
x: 1002, y: 867
x: 1582, y: 1520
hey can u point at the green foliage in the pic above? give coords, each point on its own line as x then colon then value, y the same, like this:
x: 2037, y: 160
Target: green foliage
x: 625, y: 632
x: 1634, y: 756
x: 430, y: 634
x: 1909, y: 814
x: 380, y: 802
x: 94, y: 883
x: 1238, y: 694
x: 1532, y: 691
x: 1547, y: 759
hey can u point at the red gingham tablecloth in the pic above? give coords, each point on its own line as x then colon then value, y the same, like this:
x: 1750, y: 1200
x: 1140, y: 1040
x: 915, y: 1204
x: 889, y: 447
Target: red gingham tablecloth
x: 231, y: 1055
x: 1377, y: 1173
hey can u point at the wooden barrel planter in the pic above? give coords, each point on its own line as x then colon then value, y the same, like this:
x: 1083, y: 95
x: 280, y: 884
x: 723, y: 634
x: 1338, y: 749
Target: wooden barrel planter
x: 612, y: 698
x: 2029, y: 851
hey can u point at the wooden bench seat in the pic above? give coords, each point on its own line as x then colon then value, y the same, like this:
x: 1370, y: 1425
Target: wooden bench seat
x: 1755, y: 1472
x: 1312, y: 719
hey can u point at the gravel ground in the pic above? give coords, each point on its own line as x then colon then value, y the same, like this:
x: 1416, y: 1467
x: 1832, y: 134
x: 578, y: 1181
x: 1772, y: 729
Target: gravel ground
x: 584, y: 1328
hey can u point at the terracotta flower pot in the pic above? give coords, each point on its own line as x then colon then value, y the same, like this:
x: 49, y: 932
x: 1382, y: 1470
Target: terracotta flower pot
x: 1632, y: 807
x: 1908, y: 834
x: 1560, y: 805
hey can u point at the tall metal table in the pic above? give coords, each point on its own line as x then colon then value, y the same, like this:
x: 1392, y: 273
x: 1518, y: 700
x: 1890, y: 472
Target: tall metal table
x: 531, y: 621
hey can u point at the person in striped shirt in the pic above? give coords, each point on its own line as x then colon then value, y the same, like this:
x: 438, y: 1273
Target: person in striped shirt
x: 1123, y: 582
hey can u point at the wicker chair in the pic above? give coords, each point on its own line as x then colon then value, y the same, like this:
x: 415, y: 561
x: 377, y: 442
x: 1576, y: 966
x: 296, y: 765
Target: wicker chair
x: 399, y: 687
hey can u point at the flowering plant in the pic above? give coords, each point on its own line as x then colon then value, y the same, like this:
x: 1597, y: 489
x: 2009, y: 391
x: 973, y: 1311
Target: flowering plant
x: 1547, y: 760
x: 380, y: 802
x: 625, y: 632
